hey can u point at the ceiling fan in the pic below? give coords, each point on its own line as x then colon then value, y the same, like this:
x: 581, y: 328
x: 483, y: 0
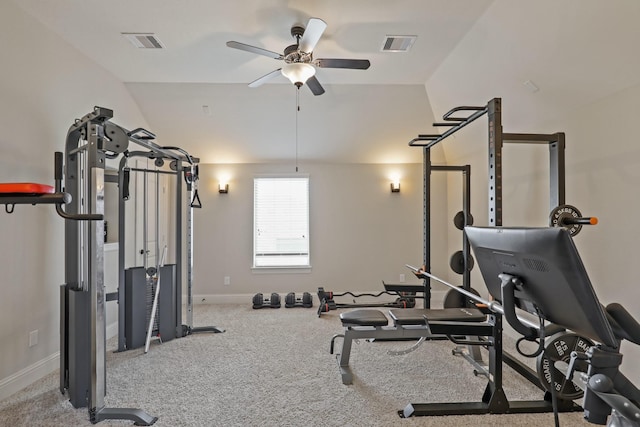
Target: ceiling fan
x: 300, y: 65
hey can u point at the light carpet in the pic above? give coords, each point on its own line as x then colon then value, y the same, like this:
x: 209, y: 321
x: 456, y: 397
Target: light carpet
x: 272, y: 367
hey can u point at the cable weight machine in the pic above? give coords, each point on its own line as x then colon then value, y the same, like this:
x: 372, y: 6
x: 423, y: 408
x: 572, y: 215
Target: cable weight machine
x: 131, y: 293
x: 90, y: 141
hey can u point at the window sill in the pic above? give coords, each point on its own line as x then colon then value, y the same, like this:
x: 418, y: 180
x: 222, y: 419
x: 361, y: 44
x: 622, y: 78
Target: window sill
x: 294, y: 269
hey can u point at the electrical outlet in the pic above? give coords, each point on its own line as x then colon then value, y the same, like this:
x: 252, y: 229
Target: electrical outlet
x: 227, y: 280
x: 33, y: 338
x: 402, y: 278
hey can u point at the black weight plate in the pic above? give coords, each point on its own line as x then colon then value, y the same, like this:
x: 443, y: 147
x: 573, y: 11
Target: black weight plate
x: 458, y: 220
x: 456, y: 262
x: 455, y: 299
x: 565, y: 211
x: 559, y: 347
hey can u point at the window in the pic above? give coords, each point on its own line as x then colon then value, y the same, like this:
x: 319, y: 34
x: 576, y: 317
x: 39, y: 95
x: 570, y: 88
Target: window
x: 281, y: 221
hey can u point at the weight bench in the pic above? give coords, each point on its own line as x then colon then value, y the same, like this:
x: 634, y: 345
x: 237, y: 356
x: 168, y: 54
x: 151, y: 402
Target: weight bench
x: 419, y: 324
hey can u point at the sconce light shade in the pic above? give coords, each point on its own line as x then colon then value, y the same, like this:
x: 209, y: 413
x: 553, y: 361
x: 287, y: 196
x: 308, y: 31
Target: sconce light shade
x: 223, y: 188
x: 298, y: 72
x: 395, y: 187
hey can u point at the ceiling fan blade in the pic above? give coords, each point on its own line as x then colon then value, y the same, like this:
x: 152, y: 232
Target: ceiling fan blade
x: 265, y: 78
x: 312, y: 34
x: 253, y: 49
x: 354, y: 64
x: 315, y: 86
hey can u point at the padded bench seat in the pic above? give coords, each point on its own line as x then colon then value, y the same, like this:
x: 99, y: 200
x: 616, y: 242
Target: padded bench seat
x: 364, y: 318
x: 418, y: 316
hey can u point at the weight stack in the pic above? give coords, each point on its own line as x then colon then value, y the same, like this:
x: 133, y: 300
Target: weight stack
x: 139, y: 294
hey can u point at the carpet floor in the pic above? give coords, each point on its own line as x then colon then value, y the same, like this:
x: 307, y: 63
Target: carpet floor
x: 272, y: 367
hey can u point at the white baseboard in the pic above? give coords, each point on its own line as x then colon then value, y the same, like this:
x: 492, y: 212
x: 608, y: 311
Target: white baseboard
x: 437, y: 298
x: 27, y: 376
x: 112, y: 330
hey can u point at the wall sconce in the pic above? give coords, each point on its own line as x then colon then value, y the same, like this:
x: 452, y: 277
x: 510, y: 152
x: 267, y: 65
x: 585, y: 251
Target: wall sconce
x: 223, y: 188
x: 395, y: 187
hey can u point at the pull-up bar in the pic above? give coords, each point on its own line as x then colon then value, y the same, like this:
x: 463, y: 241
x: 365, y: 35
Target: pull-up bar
x: 456, y: 124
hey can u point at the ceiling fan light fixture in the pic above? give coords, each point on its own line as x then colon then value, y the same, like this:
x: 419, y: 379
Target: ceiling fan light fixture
x: 298, y: 72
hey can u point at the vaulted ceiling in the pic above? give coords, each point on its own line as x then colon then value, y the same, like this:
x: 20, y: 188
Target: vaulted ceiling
x: 364, y: 116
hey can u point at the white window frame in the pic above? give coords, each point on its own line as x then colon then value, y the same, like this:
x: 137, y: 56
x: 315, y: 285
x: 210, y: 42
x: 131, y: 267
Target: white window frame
x: 300, y: 257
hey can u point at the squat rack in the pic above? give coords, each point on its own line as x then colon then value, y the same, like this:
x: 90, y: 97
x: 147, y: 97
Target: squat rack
x: 496, y: 141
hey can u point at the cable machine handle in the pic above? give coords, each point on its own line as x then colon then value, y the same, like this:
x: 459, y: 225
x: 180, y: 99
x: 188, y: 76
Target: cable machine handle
x: 57, y: 174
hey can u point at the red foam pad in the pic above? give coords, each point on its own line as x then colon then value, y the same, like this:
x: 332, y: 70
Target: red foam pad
x: 25, y: 188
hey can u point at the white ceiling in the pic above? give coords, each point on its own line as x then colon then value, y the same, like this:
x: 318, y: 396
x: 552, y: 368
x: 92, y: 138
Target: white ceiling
x: 364, y: 116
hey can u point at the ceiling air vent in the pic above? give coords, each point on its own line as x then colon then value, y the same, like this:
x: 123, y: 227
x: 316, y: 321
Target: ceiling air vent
x: 144, y: 40
x: 398, y: 43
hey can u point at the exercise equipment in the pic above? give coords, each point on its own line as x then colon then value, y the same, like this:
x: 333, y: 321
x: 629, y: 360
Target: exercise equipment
x: 453, y: 298
x: 459, y: 264
x: 406, y: 298
x: 458, y: 118
x: 461, y: 116
x: 90, y: 142
x: 559, y: 347
x: 539, y: 270
x: 408, y: 324
x: 290, y: 300
x: 494, y: 400
x: 569, y: 217
x: 259, y: 301
x: 178, y: 164
x: 154, y: 307
x: 459, y: 220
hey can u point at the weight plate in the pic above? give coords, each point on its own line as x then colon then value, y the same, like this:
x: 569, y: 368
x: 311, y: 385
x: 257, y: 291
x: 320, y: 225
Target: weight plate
x: 458, y: 220
x: 559, y: 213
x: 456, y: 262
x: 559, y: 347
x: 455, y: 299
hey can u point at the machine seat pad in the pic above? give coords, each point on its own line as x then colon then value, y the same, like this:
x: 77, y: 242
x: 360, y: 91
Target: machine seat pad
x: 25, y: 188
x: 364, y: 318
x: 417, y: 316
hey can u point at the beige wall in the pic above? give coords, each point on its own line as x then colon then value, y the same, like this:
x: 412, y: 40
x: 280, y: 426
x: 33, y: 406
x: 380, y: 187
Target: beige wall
x: 360, y: 232
x: 44, y: 85
x: 602, y: 154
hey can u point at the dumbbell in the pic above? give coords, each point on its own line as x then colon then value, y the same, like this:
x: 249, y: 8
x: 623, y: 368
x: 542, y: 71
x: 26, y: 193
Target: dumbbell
x: 291, y: 301
x: 325, y: 295
x: 259, y: 301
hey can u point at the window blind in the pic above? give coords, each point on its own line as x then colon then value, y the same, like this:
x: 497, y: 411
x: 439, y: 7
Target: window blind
x: 281, y: 221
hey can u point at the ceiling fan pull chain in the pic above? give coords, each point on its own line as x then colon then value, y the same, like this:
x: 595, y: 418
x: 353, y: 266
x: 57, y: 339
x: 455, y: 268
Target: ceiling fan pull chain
x: 297, y: 111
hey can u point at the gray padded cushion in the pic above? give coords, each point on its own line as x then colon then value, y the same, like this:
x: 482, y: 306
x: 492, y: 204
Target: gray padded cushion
x: 364, y: 318
x: 416, y: 316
